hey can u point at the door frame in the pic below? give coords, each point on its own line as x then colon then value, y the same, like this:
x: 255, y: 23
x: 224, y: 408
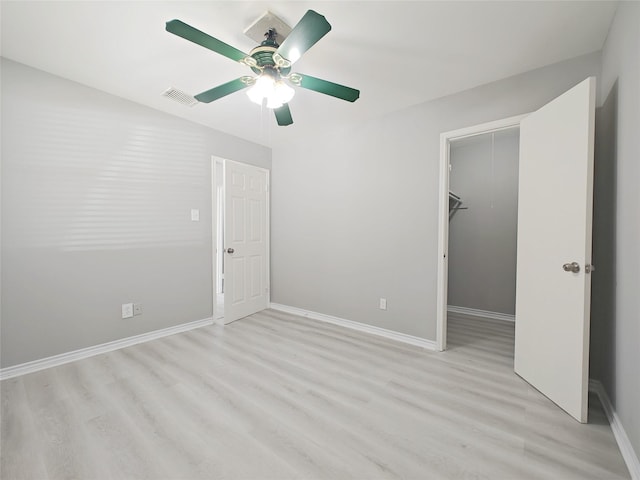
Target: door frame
x: 443, y: 213
x: 214, y: 230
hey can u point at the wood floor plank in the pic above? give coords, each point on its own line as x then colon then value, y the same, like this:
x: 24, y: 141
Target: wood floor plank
x: 17, y: 431
x: 277, y: 396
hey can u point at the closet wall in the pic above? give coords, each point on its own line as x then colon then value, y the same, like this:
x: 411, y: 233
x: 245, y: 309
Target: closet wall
x: 482, y: 233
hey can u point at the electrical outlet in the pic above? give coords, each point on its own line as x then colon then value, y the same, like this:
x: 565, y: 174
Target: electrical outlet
x: 383, y: 304
x: 195, y: 215
x: 137, y: 309
x: 127, y: 310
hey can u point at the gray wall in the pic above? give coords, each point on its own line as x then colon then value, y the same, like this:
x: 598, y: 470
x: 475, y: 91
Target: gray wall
x: 616, y: 282
x: 355, y: 213
x: 482, y: 238
x: 96, y: 200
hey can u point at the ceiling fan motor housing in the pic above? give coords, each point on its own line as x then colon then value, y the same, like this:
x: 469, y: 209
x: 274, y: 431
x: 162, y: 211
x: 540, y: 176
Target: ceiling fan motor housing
x: 263, y: 55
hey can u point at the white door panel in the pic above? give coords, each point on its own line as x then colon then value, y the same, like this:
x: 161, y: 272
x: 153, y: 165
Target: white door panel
x: 554, y: 228
x: 246, y: 243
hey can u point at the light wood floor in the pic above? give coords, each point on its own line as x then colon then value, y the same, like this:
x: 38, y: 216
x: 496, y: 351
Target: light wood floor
x: 275, y: 396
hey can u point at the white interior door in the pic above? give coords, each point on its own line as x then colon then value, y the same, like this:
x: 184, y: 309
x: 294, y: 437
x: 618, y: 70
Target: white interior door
x: 245, y: 240
x: 554, y: 229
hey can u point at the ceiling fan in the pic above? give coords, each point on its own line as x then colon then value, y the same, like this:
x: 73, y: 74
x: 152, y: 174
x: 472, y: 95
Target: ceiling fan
x: 271, y: 63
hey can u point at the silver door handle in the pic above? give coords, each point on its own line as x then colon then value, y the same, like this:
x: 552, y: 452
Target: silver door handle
x: 230, y: 250
x: 571, y: 267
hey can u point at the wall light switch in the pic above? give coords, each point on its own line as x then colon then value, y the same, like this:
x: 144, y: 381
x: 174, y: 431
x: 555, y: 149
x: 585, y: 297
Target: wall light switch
x: 195, y: 215
x: 383, y: 304
x: 127, y: 310
x: 137, y: 309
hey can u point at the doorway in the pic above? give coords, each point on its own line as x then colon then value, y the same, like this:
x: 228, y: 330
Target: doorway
x: 472, y: 212
x: 483, y: 210
x: 240, y: 239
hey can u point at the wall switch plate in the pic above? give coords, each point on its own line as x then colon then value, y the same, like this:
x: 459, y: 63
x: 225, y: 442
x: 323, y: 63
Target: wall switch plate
x: 383, y: 304
x: 137, y: 309
x: 127, y: 310
x: 195, y: 215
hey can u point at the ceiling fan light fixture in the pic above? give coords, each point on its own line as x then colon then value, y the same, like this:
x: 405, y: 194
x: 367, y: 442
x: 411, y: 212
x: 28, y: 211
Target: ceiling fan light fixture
x: 273, y: 90
x: 263, y: 88
x: 283, y: 92
x: 273, y: 102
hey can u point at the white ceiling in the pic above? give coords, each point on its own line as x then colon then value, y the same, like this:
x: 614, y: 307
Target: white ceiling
x: 396, y: 53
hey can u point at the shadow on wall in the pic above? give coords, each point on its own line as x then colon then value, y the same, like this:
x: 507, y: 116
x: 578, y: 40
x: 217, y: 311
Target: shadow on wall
x: 603, y: 314
x: 99, y: 180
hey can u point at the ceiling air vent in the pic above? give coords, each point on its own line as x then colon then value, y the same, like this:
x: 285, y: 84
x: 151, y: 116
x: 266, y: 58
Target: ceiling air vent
x: 180, y: 96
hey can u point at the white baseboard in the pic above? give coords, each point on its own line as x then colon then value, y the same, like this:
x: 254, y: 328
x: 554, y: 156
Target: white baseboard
x: 628, y: 453
x: 481, y: 313
x: 55, y: 360
x: 362, y: 327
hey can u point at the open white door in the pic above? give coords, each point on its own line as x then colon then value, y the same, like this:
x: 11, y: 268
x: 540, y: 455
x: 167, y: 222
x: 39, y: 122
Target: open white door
x: 245, y: 240
x: 554, y: 230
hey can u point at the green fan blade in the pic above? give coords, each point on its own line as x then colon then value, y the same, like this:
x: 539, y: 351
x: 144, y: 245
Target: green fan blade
x: 329, y: 88
x: 221, y: 91
x: 311, y: 28
x: 196, y: 36
x: 283, y: 115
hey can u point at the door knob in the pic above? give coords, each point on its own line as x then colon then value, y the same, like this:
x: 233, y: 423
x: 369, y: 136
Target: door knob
x: 230, y: 250
x: 571, y: 267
